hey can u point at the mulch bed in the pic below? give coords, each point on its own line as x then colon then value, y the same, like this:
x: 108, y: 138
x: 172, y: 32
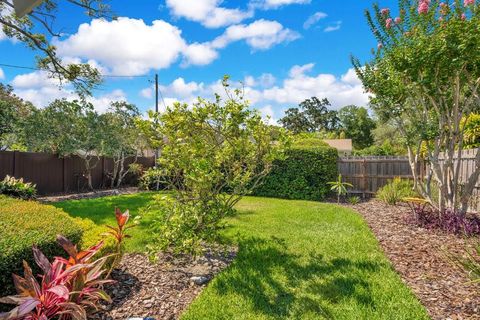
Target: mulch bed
x: 160, y: 290
x: 89, y: 195
x: 420, y: 257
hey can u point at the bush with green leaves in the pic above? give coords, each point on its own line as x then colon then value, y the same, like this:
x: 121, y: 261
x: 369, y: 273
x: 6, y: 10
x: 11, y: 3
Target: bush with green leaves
x: 153, y: 179
x: 214, y: 153
x: 395, y: 190
x: 302, y: 175
x: 353, y: 200
x: 17, y: 188
x: 23, y: 223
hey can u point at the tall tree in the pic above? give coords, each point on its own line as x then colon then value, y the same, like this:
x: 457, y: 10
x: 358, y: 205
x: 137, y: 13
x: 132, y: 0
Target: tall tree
x: 13, y: 113
x: 312, y: 115
x: 67, y: 128
x: 121, y: 138
x: 36, y: 30
x: 357, y: 125
x: 425, y: 76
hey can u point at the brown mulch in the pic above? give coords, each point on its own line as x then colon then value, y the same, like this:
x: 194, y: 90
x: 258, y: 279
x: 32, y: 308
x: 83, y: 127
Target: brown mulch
x: 89, y: 195
x: 160, y: 290
x: 420, y: 257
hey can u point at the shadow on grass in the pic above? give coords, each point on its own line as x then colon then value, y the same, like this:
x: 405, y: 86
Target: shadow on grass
x: 279, y: 284
x: 100, y: 210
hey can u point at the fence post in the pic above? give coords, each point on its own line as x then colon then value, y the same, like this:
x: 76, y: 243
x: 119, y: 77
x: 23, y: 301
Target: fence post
x: 14, y: 165
x: 364, y: 177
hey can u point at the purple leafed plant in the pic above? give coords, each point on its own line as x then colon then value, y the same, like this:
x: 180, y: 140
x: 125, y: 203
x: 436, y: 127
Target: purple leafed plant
x: 449, y: 221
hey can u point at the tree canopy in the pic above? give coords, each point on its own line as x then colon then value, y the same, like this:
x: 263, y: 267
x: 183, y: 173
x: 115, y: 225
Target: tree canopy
x: 424, y: 77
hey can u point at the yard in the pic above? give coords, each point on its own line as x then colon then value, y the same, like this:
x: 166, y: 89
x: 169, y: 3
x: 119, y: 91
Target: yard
x: 296, y: 259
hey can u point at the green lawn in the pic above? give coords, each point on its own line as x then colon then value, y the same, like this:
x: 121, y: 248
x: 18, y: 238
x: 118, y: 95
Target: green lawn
x: 296, y: 260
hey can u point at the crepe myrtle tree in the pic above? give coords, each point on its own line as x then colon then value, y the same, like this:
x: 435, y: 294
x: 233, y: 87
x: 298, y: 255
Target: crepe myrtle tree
x: 425, y: 77
x: 67, y: 128
x: 214, y: 153
x: 36, y: 29
x: 121, y: 138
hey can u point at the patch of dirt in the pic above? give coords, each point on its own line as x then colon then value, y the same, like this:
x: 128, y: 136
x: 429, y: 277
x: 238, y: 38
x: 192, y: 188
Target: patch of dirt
x: 162, y: 290
x: 420, y: 257
x: 89, y: 195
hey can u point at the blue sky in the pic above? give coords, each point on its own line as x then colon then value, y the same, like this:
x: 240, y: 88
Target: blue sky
x: 284, y: 51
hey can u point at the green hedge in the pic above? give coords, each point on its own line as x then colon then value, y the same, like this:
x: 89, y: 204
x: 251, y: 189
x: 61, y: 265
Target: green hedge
x: 302, y: 175
x: 23, y: 223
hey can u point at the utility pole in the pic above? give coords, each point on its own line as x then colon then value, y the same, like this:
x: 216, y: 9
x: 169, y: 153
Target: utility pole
x: 156, y: 113
x: 156, y: 93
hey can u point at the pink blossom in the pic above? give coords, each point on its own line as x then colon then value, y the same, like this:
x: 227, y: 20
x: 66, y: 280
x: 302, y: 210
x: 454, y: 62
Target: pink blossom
x: 423, y: 7
x: 440, y: 19
x: 398, y: 20
x: 463, y: 17
x: 468, y: 2
x: 388, y: 23
x: 385, y: 11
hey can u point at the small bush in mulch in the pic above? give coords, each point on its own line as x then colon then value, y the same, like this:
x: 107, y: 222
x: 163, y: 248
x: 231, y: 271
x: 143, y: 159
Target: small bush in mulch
x: 449, y: 221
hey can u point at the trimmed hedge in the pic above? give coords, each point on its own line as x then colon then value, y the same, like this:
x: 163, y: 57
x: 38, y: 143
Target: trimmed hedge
x: 303, y: 175
x: 24, y: 223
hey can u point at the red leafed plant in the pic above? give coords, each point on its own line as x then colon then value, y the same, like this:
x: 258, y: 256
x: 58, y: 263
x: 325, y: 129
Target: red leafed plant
x: 66, y: 290
x: 119, y: 234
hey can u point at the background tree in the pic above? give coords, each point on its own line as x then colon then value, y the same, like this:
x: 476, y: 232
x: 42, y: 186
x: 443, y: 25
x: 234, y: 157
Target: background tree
x: 67, y: 128
x: 13, y: 113
x: 425, y: 77
x: 357, y: 125
x: 312, y: 115
x: 214, y: 153
x: 121, y: 138
x: 36, y: 29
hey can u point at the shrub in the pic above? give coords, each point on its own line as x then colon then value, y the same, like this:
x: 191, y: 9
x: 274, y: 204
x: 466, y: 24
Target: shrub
x: 214, y: 153
x: 354, y: 200
x: 449, y: 221
x: 23, y: 223
x: 302, y: 175
x: 395, y: 190
x: 93, y: 233
x: 17, y: 188
x: 153, y: 179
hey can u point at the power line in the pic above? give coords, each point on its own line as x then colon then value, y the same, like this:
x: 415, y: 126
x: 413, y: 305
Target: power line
x: 38, y: 69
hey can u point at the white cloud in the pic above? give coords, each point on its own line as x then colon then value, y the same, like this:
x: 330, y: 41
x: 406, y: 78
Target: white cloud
x: 2, y: 74
x: 199, y: 54
x: 274, y: 4
x: 260, y: 35
x: 313, y: 19
x: 146, y: 93
x: 271, y: 99
x: 102, y: 102
x: 125, y: 46
x: 41, y: 90
x: 130, y: 47
x: 334, y: 27
x: 268, y: 114
x: 299, y: 86
x: 207, y: 12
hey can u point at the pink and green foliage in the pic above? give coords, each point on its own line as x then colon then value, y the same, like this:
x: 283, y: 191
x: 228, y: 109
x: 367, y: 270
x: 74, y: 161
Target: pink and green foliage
x: 67, y: 288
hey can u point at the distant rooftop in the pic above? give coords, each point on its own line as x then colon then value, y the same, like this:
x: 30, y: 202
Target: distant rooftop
x: 342, y: 145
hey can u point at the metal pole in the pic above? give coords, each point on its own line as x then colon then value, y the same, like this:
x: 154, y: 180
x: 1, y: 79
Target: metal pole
x: 156, y: 112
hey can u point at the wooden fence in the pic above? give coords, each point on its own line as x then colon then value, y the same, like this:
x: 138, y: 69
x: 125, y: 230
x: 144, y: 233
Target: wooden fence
x: 368, y: 174
x: 53, y: 174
